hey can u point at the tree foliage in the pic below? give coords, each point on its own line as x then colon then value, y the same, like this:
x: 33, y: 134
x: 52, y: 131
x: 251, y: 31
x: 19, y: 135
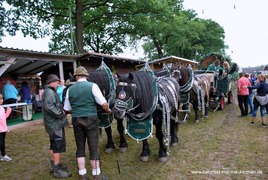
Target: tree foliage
x: 103, y: 26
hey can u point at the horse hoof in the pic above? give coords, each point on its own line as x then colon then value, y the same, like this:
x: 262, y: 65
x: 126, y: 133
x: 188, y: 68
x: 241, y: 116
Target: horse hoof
x: 174, y: 144
x: 162, y: 159
x: 109, y: 150
x: 144, y: 158
x: 122, y: 150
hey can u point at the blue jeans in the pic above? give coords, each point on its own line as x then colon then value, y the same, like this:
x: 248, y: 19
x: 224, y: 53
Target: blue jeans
x: 250, y: 102
x: 28, y: 101
x: 256, y: 107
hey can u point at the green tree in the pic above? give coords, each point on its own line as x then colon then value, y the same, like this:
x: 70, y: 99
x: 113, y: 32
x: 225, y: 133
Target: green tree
x: 107, y: 27
x: 98, y: 25
x: 183, y: 35
x: 2, y: 20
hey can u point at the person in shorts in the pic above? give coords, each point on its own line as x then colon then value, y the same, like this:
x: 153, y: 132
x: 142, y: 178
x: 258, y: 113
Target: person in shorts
x: 81, y: 100
x: 55, y: 121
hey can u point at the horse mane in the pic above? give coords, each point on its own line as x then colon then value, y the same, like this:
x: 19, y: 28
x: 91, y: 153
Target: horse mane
x: 145, y: 90
x: 101, y: 79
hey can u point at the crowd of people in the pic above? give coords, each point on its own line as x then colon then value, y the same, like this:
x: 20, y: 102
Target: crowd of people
x: 252, y: 94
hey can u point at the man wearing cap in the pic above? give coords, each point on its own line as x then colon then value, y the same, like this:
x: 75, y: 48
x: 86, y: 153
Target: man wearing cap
x: 81, y: 100
x: 55, y: 121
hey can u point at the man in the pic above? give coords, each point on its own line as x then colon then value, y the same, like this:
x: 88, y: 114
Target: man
x: 81, y: 100
x: 54, y: 121
x: 243, y: 93
x: 215, y: 66
x: 10, y: 94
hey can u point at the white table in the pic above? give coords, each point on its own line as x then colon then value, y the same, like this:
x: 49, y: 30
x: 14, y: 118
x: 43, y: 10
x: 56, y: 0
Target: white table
x: 26, y: 110
x: 14, y: 105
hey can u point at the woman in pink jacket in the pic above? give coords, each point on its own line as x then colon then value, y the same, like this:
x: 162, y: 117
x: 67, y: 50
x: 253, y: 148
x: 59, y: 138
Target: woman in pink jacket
x: 3, y: 129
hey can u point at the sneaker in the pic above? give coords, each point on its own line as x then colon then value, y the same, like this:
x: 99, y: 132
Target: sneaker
x: 99, y: 177
x: 263, y: 125
x: 5, y: 158
x: 59, y: 173
x: 83, y: 177
x: 252, y: 123
x: 61, y: 166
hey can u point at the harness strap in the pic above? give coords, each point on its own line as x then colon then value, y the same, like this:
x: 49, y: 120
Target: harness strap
x: 187, y: 86
x: 165, y: 119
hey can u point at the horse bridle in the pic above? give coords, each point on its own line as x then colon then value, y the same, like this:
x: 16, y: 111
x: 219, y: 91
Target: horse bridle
x: 128, y: 104
x: 189, y: 84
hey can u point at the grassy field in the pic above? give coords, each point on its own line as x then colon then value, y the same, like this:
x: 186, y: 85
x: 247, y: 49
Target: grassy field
x: 222, y: 146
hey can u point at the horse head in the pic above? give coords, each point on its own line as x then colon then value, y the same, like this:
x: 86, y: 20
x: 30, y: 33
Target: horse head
x: 134, y: 95
x: 125, y: 94
x: 176, y: 73
x: 181, y: 74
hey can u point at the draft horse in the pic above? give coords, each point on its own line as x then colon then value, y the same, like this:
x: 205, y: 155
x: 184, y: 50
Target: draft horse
x: 145, y: 100
x: 195, y: 89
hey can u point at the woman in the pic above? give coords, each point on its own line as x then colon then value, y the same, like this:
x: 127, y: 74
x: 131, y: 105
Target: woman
x: 261, y: 99
x: 226, y: 67
x: 25, y: 92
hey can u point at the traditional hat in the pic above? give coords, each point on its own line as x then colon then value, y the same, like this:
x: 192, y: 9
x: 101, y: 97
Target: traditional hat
x: 52, y: 78
x: 81, y: 71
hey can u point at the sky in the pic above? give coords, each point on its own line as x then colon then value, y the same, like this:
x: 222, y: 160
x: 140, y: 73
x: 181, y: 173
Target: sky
x: 245, y: 25
x: 244, y: 22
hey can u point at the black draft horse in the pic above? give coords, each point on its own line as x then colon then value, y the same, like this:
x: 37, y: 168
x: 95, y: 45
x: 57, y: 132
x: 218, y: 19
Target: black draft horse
x: 135, y: 100
x: 196, y: 89
x: 101, y: 78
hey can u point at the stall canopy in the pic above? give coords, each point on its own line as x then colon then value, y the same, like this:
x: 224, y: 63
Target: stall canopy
x: 15, y: 61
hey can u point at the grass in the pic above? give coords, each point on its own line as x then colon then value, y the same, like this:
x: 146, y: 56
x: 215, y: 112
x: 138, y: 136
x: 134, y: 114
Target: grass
x: 220, y: 146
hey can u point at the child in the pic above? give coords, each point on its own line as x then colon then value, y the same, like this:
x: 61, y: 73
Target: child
x: 3, y: 129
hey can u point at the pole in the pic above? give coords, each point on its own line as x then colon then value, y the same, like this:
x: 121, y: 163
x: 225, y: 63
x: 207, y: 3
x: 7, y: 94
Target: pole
x: 71, y: 29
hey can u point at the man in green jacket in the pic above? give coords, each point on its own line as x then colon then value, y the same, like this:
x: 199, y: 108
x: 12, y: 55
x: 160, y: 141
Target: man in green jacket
x: 215, y: 66
x: 55, y: 121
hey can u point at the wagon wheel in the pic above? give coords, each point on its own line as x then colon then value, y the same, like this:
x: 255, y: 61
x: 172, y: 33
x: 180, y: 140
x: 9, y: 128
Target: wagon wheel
x: 221, y: 103
x: 230, y: 97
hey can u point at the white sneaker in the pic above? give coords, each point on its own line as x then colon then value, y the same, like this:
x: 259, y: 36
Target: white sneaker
x: 5, y: 158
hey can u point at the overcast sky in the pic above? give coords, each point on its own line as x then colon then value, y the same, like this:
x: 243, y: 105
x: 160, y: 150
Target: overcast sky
x: 244, y: 22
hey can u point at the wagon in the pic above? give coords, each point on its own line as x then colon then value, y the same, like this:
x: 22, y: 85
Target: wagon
x: 221, y: 86
x: 222, y: 89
